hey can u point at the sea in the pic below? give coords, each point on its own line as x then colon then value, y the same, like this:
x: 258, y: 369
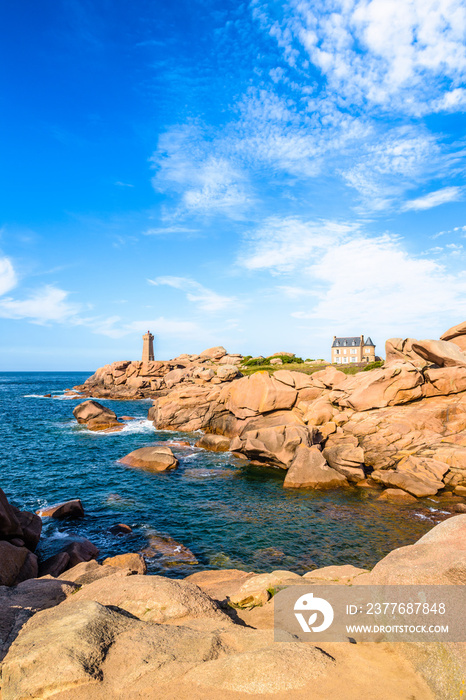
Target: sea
x: 227, y: 512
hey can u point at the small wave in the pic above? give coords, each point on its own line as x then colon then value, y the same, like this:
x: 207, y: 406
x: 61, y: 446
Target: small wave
x: 35, y: 396
x: 192, y: 457
x: 57, y: 396
x: 57, y: 535
x: 132, y: 427
x: 139, y: 426
x: 422, y: 516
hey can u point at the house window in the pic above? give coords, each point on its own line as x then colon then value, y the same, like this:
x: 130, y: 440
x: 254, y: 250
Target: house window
x: 337, y: 352
x: 353, y: 359
x: 345, y: 359
x: 344, y: 351
x: 354, y: 351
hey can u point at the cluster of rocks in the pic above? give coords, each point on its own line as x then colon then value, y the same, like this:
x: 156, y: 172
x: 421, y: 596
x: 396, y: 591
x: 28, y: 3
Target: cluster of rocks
x: 402, y: 426
x: 134, y: 380
x: 107, y: 630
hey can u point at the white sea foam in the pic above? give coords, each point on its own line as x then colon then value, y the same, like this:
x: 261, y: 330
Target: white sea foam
x: 59, y: 396
x: 141, y: 425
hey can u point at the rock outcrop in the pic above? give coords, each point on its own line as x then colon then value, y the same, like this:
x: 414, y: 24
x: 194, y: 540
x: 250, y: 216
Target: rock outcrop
x: 134, y: 380
x: 99, y: 631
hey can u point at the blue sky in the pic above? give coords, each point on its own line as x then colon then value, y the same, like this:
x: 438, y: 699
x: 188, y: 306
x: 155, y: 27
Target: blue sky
x: 261, y: 175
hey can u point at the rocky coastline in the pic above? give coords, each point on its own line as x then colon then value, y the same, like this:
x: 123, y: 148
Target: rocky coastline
x: 76, y: 628
x: 106, y: 629
x: 401, y: 427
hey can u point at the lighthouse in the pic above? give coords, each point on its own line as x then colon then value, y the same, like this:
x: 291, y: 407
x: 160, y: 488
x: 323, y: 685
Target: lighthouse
x: 148, y: 347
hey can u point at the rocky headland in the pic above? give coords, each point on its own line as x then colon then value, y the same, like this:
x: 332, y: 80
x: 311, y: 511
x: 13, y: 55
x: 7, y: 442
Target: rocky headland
x: 401, y: 427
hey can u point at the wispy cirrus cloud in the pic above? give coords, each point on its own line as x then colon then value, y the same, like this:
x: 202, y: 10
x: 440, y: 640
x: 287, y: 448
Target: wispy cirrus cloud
x: 205, y: 299
x: 8, y: 278
x: 434, y: 199
x: 205, y: 179
x: 282, y: 244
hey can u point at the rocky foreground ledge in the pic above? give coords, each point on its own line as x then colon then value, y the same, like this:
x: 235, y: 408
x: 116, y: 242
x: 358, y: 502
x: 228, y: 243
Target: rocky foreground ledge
x: 103, y: 631
x: 401, y: 427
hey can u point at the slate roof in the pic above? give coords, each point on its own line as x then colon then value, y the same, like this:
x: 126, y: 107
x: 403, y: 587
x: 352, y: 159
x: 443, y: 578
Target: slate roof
x: 353, y: 341
x: 369, y: 342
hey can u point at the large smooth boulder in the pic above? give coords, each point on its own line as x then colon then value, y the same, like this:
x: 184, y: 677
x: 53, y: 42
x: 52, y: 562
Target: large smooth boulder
x: 214, y: 353
x: 440, y: 352
x: 274, y: 445
x: 259, y: 393
x: 93, y: 410
x: 153, y: 598
x: 154, y: 459
x: 310, y: 470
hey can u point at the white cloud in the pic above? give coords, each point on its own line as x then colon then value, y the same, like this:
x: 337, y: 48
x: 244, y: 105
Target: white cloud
x: 205, y: 299
x: 8, y: 279
x: 376, y: 283
x: 434, y: 199
x: 390, y: 166
x: 346, y: 281
x: 208, y: 183
x: 45, y: 305
x: 168, y: 230
x: 281, y: 245
x: 372, y: 52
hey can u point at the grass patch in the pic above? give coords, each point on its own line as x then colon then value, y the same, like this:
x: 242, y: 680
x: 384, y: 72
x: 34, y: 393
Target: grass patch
x: 304, y: 368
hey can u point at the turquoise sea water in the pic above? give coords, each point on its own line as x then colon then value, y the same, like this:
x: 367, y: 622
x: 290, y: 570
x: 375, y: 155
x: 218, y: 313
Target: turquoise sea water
x: 230, y: 514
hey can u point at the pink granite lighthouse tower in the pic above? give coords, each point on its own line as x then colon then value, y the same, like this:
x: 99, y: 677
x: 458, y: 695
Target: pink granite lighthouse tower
x: 148, y: 347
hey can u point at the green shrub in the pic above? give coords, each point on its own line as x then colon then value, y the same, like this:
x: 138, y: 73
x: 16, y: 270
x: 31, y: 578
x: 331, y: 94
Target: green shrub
x: 285, y: 359
x: 256, y: 362
x: 373, y: 365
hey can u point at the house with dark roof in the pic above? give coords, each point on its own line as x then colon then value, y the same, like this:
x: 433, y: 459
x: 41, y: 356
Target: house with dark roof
x: 352, y: 349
